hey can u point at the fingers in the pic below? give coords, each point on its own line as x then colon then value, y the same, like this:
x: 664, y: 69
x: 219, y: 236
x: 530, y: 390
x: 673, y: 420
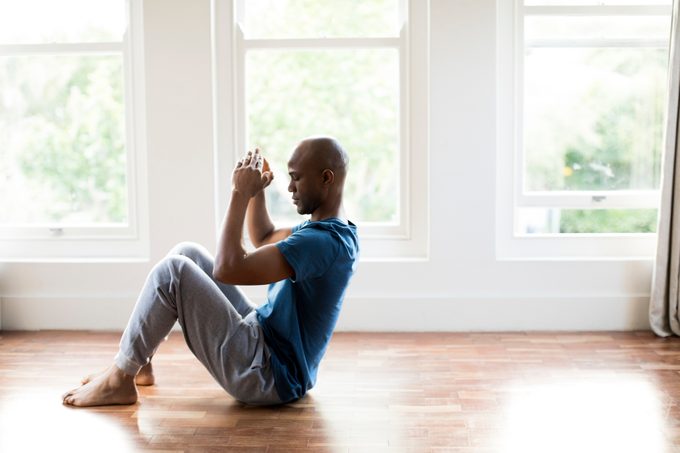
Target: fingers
x: 245, y: 160
x: 248, y: 170
x: 253, y: 160
x: 256, y: 159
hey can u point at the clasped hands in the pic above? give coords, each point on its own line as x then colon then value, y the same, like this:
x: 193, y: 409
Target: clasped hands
x: 252, y: 174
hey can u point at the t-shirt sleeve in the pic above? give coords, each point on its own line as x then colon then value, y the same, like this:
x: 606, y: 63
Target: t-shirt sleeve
x: 309, y: 251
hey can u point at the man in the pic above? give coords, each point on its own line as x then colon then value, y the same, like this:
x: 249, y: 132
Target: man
x: 265, y: 355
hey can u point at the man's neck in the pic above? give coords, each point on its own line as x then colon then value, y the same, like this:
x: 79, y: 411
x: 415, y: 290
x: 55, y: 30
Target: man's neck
x: 336, y: 212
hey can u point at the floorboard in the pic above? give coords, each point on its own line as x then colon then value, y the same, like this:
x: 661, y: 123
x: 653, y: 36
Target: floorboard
x: 457, y: 392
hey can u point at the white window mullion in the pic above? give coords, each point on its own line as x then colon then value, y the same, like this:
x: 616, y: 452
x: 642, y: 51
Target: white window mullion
x: 595, y: 43
x: 595, y: 10
x: 71, y: 232
x: 62, y: 49
x: 322, y: 43
x: 135, y: 131
x: 405, y: 202
x: 517, y: 100
x: 241, y: 134
x: 613, y: 199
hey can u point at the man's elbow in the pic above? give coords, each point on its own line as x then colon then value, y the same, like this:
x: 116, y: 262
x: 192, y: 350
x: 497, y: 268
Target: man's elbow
x: 263, y: 239
x: 219, y: 275
x: 224, y: 272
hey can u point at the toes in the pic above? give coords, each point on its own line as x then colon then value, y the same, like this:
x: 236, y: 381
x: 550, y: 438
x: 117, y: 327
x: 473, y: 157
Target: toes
x: 71, y: 399
x: 69, y: 396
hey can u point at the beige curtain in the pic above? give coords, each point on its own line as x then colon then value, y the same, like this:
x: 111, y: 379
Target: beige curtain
x: 665, y: 296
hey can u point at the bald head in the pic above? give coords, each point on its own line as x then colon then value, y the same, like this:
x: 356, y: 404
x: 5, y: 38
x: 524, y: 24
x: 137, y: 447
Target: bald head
x: 317, y: 172
x: 323, y: 153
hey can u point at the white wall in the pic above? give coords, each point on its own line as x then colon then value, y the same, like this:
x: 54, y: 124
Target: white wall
x: 462, y: 286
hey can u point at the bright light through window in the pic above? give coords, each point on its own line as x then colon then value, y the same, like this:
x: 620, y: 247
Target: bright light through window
x: 63, y: 154
x: 45, y: 21
x: 593, y: 118
x: 327, y: 68
x: 593, y: 106
x: 62, y: 142
x: 352, y: 95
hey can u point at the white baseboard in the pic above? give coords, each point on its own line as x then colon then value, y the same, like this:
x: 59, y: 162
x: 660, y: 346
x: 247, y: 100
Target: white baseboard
x: 67, y: 313
x: 457, y: 314
x: 481, y: 314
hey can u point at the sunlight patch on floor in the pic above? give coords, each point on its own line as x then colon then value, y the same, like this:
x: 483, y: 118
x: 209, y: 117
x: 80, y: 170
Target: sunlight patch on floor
x: 622, y: 414
x: 35, y: 422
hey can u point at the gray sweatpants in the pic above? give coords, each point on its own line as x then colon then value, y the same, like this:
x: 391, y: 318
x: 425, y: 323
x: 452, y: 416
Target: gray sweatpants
x: 217, y: 320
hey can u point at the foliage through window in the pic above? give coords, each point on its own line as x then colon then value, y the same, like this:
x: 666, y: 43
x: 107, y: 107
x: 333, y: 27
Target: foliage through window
x: 327, y: 68
x: 63, y: 154
x: 593, y: 97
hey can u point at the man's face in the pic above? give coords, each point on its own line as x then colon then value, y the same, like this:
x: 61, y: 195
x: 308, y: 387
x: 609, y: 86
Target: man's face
x: 305, y: 181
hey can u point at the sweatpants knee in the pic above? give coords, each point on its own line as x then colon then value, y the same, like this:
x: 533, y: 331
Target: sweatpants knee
x: 187, y: 248
x: 172, y: 265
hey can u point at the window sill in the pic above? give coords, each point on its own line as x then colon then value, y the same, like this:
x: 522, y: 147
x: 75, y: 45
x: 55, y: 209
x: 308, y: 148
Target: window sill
x: 73, y: 250
x: 574, y: 247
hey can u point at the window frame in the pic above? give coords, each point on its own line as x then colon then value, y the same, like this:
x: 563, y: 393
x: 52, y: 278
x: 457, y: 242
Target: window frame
x: 53, y: 241
x: 408, y: 237
x: 510, y: 193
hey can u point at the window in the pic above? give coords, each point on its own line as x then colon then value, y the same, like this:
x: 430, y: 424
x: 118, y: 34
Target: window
x: 69, y: 147
x: 338, y: 68
x: 581, y: 113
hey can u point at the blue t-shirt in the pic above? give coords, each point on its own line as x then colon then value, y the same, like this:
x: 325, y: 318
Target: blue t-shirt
x: 300, y: 313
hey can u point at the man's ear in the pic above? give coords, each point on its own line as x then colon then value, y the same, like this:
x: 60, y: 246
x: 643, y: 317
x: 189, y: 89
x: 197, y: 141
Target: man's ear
x: 328, y: 176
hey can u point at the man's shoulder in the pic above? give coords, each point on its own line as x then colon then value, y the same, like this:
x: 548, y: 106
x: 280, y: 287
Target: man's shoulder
x: 325, y: 231
x: 328, y: 226
x: 334, y: 237
x: 310, y: 235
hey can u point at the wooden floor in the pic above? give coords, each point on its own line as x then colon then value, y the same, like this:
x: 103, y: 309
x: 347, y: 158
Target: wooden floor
x: 599, y: 392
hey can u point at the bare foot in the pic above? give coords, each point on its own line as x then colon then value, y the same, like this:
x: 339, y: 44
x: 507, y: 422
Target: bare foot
x: 110, y: 387
x: 144, y: 377
x: 90, y: 377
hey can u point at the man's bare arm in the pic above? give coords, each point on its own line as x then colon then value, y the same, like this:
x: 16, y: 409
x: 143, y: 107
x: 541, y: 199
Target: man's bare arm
x: 232, y: 264
x: 260, y: 226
